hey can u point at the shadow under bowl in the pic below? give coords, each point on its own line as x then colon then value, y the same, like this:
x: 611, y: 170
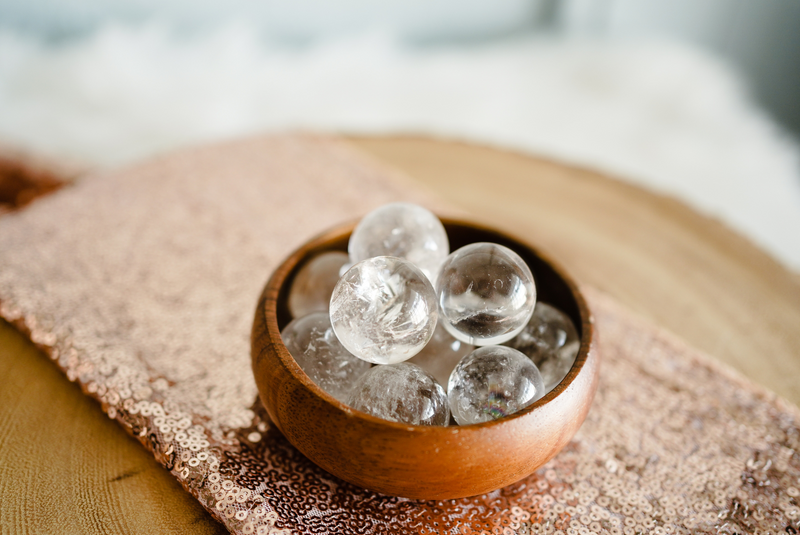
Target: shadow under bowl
x: 421, y: 462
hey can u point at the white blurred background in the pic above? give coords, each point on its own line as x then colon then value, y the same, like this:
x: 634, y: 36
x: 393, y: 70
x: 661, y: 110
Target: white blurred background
x: 699, y: 99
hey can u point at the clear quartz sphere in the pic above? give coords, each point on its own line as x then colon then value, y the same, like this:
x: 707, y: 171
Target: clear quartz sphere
x: 486, y: 294
x: 441, y: 355
x: 315, y: 348
x: 384, y: 310
x: 313, y: 285
x: 403, y: 230
x: 492, y: 382
x: 551, y: 341
x: 403, y: 393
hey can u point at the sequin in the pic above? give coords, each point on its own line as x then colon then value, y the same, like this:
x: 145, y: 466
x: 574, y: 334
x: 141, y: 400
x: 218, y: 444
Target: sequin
x: 674, y: 442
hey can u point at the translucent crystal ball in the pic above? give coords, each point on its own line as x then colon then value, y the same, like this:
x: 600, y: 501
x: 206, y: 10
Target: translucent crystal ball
x: 551, y: 341
x: 403, y: 230
x: 401, y: 393
x: 313, y: 285
x: 441, y: 355
x: 486, y: 294
x: 313, y: 344
x: 383, y: 310
x: 492, y: 382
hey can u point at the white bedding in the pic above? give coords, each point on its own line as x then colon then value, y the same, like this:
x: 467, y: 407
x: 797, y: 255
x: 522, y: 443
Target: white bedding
x: 657, y: 114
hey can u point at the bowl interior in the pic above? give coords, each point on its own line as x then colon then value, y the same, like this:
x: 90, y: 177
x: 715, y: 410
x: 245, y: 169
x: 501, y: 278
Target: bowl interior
x: 552, y: 285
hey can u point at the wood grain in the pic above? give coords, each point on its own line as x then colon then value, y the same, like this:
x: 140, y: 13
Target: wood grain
x: 421, y: 462
x: 686, y: 272
x: 66, y: 468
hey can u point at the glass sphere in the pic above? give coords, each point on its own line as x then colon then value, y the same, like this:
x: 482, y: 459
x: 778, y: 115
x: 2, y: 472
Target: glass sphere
x: 314, y: 346
x: 551, y: 341
x: 441, y: 355
x: 313, y: 285
x: 492, y: 382
x: 403, y: 230
x: 486, y: 294
x: 401, y: 393
x: 384, y: 310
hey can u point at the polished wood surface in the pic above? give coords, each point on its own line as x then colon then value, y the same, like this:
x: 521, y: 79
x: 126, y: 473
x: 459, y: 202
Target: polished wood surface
x: 681, y: 270
x: 421, y: 462
x: 66, y: 468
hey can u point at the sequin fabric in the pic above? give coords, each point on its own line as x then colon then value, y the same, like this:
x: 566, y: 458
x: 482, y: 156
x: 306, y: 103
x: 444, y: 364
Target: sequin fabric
x: 141, y: 286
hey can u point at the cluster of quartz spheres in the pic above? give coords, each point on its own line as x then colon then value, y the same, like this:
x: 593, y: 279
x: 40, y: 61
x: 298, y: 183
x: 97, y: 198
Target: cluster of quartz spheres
x: 387, y: 326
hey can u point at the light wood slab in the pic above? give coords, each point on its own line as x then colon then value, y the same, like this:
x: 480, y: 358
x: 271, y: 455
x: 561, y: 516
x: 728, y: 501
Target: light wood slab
x: 683, y: 271
x: 66, y: 468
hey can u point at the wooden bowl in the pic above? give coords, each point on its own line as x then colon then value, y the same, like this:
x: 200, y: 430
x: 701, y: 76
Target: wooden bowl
x: 414, y: 461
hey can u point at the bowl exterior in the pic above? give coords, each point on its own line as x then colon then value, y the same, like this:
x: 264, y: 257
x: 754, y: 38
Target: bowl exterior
x: 412, y: 461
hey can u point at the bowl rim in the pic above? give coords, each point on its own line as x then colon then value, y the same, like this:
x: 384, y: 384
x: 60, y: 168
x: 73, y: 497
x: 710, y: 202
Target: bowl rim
x: 291, y: 263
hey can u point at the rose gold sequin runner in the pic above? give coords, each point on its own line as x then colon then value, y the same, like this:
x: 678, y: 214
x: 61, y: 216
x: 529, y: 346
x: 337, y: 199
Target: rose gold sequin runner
x: 141, y: 286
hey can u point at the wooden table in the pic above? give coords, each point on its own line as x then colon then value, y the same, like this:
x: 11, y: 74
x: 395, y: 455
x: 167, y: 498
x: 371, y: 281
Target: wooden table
x: 685, y: 272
